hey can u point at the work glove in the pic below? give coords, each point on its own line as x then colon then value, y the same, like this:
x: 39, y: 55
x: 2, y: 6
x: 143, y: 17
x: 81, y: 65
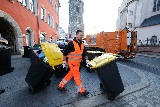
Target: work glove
x: 64, y: 64
x: 88, y: 64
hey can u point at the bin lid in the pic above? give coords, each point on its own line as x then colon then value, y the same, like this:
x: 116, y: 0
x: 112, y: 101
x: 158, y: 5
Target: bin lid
x: 3, y: 40
x: 35, y: 48
x: 2, y: 47
x: 53, y: 53
x: 101, y: 60
x: 95, y: 52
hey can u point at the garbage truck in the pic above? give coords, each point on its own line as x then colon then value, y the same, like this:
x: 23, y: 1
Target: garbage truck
x: 122, y: 43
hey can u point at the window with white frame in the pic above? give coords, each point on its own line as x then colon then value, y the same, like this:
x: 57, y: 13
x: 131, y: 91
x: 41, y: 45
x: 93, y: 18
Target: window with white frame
x: 51, y: 1
x: 23, y: 2
x: 57, y: 26
x: 50, y: 20
x: 56, y: 8
x: 43, y: 13
x: 156, y: 6
x: 131, y: 13
x: 31, y: 3
x: 130, y: 25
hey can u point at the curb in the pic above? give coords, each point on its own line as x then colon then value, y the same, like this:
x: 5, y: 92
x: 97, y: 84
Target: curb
x: 147, y: 55
x: 102, y: 98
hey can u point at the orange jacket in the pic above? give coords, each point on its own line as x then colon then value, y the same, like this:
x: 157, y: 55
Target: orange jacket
x: 76, y: 56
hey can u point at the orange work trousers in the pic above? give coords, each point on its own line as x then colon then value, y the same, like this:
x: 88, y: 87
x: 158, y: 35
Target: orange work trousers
x: 74, y: 72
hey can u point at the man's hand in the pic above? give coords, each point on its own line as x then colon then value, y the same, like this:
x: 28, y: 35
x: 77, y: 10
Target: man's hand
x: 86, y: 57
x: 87, y: 63
x: 64, y: 64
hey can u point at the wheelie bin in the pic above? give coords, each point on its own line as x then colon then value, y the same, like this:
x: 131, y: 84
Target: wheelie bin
x: 26, y: 52
x: 108, y: 73
x: 5, y: 60
x: 42, y: 69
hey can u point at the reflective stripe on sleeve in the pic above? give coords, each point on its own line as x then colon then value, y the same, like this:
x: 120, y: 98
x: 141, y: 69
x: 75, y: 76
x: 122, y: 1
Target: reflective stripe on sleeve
x: 75, y: 55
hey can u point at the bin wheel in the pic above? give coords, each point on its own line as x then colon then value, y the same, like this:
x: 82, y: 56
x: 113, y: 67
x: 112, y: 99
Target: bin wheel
x: 111, y: 96
x: 31, y: 90
x: 101, y: 85
x: 88, y: 69
x: 48, y: 82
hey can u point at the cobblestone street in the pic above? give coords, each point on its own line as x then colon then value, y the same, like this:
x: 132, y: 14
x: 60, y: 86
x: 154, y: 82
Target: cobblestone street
x: 141, y: 87
x: 145, y: 97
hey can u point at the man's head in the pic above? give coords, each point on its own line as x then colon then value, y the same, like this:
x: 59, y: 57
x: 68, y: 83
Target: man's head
x: 79, y: 35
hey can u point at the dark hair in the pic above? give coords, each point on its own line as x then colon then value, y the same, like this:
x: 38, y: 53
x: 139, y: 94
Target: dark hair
x: 78, y: 31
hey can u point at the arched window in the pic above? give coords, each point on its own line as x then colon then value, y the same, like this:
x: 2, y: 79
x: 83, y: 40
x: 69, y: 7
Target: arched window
x: 156, y: 6
x: 29, y: 36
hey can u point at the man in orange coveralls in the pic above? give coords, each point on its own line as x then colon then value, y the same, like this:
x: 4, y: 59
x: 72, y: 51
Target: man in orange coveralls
x: 74, y: 50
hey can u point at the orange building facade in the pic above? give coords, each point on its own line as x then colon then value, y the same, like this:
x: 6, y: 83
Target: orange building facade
x: 28, y: 22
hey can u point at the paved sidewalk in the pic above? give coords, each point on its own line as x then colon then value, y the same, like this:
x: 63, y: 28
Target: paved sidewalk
x: 16, y: 90
x: 150, y: 61
x: 148, y: 55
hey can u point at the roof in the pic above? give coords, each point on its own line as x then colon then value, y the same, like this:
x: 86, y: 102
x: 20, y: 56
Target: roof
x: 153, y: 20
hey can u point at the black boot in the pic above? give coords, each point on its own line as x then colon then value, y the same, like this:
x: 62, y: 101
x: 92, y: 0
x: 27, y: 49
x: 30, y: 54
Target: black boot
x: 62, y: 89
x: 2, y: 91
x: 85, y: 93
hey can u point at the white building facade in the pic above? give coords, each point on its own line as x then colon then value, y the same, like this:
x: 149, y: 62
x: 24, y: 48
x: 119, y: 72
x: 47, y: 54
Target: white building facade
x: 62, y: 33
x: 142, y: 16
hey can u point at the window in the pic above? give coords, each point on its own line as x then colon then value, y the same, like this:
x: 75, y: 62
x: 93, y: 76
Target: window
x: 50, y: 20
x: 76, y: 19
x: 156, y: 6
x: 77, y: 9
x: 31, y: 3
x: 79, y: 20
x: 131, y: 13
x: 23, y: 2
x: 130, y: 25
x: 57, y: 26
x: 51, y: 1
x: 43, y: 13
x: 56, y: 9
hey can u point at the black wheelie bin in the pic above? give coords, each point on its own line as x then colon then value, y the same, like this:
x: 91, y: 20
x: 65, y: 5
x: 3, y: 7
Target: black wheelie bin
x: 42, y: 69
x: 108, y: 73
x: 26, y: 52
x: 39, y: 74
x: 5, y: 60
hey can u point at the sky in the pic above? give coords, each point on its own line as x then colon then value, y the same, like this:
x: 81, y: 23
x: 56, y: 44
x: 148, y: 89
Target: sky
x: 99, y: 15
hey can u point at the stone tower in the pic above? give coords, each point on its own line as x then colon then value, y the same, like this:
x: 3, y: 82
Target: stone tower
x: 76, y: 10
